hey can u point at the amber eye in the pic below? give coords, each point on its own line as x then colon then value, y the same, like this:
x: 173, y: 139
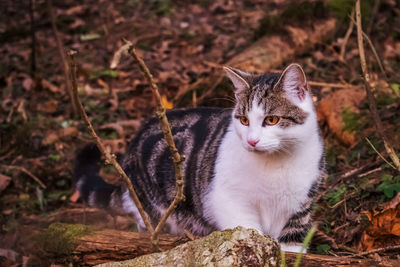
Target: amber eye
x: 244, y: 120
x: 271, y: 120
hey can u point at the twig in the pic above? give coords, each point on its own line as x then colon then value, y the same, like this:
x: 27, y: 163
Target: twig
x: 33, y: 39
x: 349, y: 249
x: 372, y: 105
x: 331, y: 85
x: 374, y: 251
x: 360, y: 43
x: 361, y: 175
x: 109, y: 158
x: 373, y: 15
x: 62, y: 55
x: 378, y: 59
x: 166, y: 129
x: 26, y: 172
x: 371, y: 45
x: 346, y: 37
x: 379, y: 154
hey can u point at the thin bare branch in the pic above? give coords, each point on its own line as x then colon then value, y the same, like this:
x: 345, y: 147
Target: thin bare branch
x: 331, y: 85
x: 372, y: 251
x: 372, y: 105
x: 346, y: 37
x: 61, y: 53
x: 26, y: 172
x: 166, y: 129
x: 371, y: 45
x: 109, y: 158
x: 379, y: 154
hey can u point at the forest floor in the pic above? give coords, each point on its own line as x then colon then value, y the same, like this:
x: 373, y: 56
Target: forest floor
x: 183, y: 45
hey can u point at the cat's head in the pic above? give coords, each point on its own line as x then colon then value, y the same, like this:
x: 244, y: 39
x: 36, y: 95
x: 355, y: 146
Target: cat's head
x: 273, y: 112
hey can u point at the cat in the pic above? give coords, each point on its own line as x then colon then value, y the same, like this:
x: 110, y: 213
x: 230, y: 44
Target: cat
x: 258, y: 165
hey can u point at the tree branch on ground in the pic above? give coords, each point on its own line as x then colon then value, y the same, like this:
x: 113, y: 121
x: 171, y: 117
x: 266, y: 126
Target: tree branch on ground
x: 166, y: 129
x: 109, y: 158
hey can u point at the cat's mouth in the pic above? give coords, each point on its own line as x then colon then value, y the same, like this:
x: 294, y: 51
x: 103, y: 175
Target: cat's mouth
x: 266, y: 151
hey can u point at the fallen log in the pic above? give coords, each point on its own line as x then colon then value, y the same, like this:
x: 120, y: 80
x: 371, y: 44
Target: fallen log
x: 270, y: 52
x: 78, y: 244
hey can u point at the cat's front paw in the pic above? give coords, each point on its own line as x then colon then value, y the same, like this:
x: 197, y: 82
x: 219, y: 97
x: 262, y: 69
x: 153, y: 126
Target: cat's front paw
x: 293, y: 248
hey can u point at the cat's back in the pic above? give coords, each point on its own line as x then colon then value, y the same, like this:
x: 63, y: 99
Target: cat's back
x: 197, y: 133
x: 185, y: 123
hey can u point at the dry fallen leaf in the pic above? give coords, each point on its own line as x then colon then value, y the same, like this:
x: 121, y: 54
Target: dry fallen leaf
x: 54, y: 136
x: 48, y: 85
x: 384, y: 226
x: 4, y: 181
x: 75, y: 196
x: 167, y: 104
x: 331, y: 109
x: 49, y: 106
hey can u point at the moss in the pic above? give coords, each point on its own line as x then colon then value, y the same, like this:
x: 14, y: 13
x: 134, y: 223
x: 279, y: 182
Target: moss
x: 351, y: 121
x: 342, y: 8
x: 61, y: 238
x: 232, y: 247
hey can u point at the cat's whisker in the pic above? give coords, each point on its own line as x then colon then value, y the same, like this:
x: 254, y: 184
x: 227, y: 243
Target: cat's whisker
x: 224, y: 98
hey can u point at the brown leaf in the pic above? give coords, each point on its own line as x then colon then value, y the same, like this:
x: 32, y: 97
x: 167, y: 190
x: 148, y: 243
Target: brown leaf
x: 54, y: 136
x: 384, y: 224
x: 166, y: 104
x: 48, y: 85
x: 49, y: 106
x: 4, y: 181
x: 75, y: 196
x: 331, y: 108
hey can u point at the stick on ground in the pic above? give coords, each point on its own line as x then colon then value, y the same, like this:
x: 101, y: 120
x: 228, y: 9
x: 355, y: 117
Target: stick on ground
x: 109, y: 158
x: 166, y: 129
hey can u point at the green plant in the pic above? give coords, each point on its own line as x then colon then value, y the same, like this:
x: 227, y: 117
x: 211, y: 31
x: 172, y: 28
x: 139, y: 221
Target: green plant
x: 335, y: 196
x: 323, y: 248
x: 304, y: 246
x: 351, y: 121
x: 389, y: 185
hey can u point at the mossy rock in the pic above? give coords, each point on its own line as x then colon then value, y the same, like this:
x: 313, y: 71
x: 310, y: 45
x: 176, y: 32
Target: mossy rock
x: 233, y: 247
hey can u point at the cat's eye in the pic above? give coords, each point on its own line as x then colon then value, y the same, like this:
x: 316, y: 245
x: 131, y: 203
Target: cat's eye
x: 271, y: 120
x: 244, y: 120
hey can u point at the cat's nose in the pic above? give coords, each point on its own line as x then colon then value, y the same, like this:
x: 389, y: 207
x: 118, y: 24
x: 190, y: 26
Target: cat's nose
x: 252, y: 142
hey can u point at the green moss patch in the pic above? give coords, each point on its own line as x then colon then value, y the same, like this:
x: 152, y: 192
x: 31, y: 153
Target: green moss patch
x: 61, y: 238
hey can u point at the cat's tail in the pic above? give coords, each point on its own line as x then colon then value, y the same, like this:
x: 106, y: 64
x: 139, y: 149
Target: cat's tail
x: 92, y: 188
x: 95, y: 191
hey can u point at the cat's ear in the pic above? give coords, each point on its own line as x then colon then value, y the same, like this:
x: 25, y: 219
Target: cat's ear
x: 293, y: 81
x: 238, y: 79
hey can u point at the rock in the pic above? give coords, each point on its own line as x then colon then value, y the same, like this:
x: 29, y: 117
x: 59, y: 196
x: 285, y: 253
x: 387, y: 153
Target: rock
x: 232, y: 247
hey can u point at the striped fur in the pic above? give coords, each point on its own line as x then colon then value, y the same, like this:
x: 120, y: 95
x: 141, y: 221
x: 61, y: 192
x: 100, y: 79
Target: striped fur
x: 227, y: 181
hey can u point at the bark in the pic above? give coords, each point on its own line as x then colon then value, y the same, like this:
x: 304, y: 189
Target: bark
x: 64, y: 243
x: 232, y: 247
x: 314, y: 260
x: 271, y: 51
x: 96, y: 247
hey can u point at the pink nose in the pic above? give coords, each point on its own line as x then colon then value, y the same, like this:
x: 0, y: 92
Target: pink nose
x: 252, y: 142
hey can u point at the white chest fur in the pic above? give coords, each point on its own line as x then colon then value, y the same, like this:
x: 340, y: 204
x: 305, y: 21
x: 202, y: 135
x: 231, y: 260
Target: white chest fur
x: 258, y: 191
